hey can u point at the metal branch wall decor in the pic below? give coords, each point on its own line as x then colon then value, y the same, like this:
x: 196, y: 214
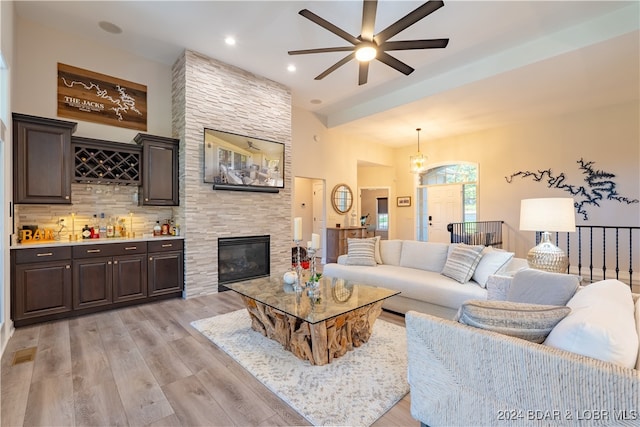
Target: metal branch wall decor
x: 599, y: 186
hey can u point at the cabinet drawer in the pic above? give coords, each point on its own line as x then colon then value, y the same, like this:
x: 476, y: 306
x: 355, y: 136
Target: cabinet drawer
x: 353, y: 233
x: 115, y: 249
x: 165, y: 245
x: 49, y: 253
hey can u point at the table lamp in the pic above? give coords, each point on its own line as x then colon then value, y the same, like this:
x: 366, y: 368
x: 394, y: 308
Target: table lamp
x: 547, y: 215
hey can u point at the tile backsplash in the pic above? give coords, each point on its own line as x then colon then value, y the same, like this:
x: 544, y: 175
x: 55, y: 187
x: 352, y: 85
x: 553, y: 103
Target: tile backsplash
x: 93, y: 199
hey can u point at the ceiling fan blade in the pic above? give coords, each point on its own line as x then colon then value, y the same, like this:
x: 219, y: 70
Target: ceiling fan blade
x: 368, y: 19
x: 394, y: 63
x: 329, y: 26
x: 321, y: 50
x: 336, y: 66
x: 408, y: 20
x: 363, y: 73
x: 415, y: 44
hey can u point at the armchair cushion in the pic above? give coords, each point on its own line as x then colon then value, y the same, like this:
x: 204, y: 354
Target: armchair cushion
x: 601, y: 324
x: 531, y: 322
x: 542, y: 287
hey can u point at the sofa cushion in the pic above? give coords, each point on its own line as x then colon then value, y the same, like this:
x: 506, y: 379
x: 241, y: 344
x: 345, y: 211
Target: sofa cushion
x: 542, y: 287
x: 376, y: 253
x: 601, y: 324
x: 424, y: 255
x: 531, y: 322
x: 390, y: 251
x: 412, y: 283
x: 361, y: 252
x: 492, y: 260
x: 462, y: 262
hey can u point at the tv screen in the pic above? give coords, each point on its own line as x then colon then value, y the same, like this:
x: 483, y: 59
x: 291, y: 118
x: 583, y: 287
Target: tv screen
x: 232, y: 160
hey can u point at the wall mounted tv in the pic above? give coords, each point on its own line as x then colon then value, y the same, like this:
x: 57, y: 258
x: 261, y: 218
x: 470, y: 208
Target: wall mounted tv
x: 237, y: 162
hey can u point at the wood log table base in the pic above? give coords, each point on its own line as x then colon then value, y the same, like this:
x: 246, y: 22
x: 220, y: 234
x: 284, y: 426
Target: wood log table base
x: 321, y: 342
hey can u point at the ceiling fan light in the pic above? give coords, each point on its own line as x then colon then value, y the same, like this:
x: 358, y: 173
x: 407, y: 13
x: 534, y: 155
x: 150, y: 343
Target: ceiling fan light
x: 366, y: 53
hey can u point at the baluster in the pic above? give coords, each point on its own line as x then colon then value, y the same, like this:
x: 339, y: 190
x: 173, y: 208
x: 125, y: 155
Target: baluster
x: 617, y: 262
x: 591, y: 254
x: 579, y: 251
x: 604, y: 253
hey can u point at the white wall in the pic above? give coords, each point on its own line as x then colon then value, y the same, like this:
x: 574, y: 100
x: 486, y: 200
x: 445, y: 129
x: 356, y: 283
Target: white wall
x: 6, y: 51
x: 610, y: 137
x: 38, y: 51
x: 332, y: 157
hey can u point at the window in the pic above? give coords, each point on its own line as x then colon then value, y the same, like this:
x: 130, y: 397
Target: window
x: 383, y: 213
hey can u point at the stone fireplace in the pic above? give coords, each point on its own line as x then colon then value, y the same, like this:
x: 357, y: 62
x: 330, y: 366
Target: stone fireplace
x: 242, y: 258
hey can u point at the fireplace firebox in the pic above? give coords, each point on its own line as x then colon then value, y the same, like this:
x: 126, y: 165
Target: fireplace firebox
x: 242, y: 258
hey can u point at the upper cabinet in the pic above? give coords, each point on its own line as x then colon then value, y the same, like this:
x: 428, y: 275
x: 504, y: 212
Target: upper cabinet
x: 42, y: 165
x: 159, y: 170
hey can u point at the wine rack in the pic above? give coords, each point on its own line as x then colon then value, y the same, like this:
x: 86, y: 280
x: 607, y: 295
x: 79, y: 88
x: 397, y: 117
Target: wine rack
x: 105, y: 162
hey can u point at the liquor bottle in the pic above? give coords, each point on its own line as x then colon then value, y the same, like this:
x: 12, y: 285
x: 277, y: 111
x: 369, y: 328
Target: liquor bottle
x: 103, y: 226
x: 157, y: 229
x: 86, y: 232
x: 164, y: 230
x: 110, y: 229
x: 95, y: 227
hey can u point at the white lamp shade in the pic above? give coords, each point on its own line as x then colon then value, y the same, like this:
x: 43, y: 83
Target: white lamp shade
x: 548, y: 214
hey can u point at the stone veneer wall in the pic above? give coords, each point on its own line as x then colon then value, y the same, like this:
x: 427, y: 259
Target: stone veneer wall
x: 209, y: 93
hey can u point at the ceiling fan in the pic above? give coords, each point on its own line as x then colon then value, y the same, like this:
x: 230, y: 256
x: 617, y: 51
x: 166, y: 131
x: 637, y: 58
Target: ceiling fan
x: 368, y: 46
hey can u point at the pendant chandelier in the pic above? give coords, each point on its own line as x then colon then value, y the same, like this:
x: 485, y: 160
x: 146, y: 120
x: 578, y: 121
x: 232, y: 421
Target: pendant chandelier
x: 418, y: 161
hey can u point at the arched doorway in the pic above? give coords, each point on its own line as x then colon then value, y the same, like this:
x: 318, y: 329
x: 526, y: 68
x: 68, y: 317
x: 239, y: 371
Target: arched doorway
x: 446, y: 193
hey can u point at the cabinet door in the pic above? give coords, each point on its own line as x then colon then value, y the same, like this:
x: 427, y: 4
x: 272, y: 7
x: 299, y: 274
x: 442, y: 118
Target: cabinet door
x: 41, y: 289
x: 92, y: 278
x: 159, y: 170
x: 129, y: 277
x: 165, y: 273
x: 41, y: 160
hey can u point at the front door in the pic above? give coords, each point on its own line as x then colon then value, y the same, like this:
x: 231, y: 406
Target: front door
x: 444, y: 206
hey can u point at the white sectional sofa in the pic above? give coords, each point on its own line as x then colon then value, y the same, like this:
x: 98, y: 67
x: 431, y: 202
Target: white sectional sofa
x: 414, y: 268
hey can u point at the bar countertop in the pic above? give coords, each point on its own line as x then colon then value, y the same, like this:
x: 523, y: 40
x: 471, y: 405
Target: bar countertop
x: 67, y: 242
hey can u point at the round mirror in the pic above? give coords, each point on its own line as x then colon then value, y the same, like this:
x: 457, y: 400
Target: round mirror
x: 341, y: 198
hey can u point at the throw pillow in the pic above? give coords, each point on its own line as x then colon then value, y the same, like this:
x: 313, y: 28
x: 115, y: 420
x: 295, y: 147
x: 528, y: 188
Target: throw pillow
x: 542, y: 287
x: 462, y: 262
x: 601, y: 324
x: 531, y: 322
x: 492, y: 260
x: 377, y: 255
x: 361, y: 252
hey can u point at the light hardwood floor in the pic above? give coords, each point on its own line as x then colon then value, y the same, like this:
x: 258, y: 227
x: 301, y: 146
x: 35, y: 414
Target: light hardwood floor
x: 142, y: 365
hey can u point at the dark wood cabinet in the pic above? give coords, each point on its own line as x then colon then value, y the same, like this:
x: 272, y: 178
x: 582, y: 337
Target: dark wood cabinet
x: 42, y: 165
x: 160, y: 170
x: 92, y: 279
x: 41, y: 280
x: 109, y: 273
x: 53, y: 282
x: 165, y: 267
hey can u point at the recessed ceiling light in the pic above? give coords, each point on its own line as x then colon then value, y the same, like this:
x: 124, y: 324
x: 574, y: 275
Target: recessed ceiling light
x: 316, y: 101
x: 110, y: 27
x: 230, y: 40
x: 291, y: 68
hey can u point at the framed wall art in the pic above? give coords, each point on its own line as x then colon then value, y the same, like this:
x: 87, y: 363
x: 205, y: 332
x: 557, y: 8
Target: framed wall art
x: 403, y: 201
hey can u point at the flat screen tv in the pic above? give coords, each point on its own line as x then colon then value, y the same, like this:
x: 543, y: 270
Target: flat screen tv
x: 237, y: 162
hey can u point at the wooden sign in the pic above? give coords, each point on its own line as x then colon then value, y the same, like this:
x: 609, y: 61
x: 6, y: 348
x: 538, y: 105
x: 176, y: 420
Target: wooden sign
x: 98, y: 98
x: 40, y: 235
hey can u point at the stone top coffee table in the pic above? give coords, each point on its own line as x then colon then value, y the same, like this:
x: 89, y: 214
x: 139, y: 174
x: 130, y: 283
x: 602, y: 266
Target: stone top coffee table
x: 341, y: 318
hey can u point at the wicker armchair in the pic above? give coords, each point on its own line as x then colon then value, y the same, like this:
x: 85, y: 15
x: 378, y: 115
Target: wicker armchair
x: 463, y: 376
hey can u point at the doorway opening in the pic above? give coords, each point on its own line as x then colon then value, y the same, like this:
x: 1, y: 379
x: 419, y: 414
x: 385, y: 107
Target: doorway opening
x: 374, y: 211
x: 309, y: 204
x: 445, y: 194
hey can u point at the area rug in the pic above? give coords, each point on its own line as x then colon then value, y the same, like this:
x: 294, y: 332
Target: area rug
x: 354, y: 390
